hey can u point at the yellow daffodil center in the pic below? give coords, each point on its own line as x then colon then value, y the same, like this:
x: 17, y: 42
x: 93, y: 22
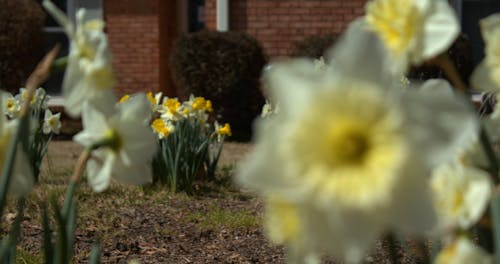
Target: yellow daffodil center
x: 113, y: 140
x: 208, y: 106
x: 348, y: 146
x: 151, y: 98
x: 52, y: 122
x: 160, y: 127
x: 11, y: 105
x: 199, y: 103
x: 24, y: 96
x: 351, y: 139
x: 397, y: 22
x: 103, y: 77
x: 94, y: 24
x: 124, y: 98
x: 172, y: 104
x: 225, y: 130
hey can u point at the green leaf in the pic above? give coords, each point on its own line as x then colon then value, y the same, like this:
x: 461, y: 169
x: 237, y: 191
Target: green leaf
x: 60, y: 253
x: 95, y: 254
x: 47, y: 236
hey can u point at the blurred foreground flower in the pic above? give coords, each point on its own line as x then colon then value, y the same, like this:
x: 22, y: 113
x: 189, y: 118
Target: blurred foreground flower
x: 463, y: 251
x: 353, y: 149
x: 462, y: 194
x: 89, y: 75
x: 22, y: 179
x: 412, y: 30
x: 486, y: 76
x: 123, y: 142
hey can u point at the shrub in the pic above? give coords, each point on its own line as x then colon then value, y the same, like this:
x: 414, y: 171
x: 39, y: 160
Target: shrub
x: 21, y: 41
x: 313, y: 46
x: 224, y: 67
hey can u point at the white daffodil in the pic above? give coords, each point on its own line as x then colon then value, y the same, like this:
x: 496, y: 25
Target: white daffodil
x: 320, y: 64
x: 12, y: 106
x: 463, y: 251
x: 412, y: 30
x: 89, y: 74
x: 486, y: 76
x: 353, y: 147
x: 461, y: 194
x: 155, y: 100
x: 22, y: 179
x: 128, y: 144
x: 171, y: 109
x: 197, y: 107
x: 269, y: 109
x: 51, y: 122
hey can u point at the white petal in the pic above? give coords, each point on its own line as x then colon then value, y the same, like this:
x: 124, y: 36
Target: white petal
x: 441, y: 28
x: 438, y: 125
x: 291, y: 84
x: 94, y: 124
x: 361, y: 52
x: 481, y: 80
x: 99, y: 174
x: 137, y: 108
x: 136, y: 174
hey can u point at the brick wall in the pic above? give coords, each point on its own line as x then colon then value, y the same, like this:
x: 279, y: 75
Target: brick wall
x: 278, y: 24
x: 132, y: 27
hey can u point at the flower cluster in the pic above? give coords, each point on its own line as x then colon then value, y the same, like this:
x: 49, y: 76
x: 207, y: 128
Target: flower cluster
x: 357, y: 151
x: 186, y: 137
x: 44, y: 123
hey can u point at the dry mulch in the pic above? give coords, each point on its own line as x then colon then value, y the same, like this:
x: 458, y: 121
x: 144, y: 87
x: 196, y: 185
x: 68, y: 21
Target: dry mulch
x: 155, y: 226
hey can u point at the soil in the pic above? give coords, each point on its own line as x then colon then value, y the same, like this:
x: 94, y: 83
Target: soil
x: 153, y: 226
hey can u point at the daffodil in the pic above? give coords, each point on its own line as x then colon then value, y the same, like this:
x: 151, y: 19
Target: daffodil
x: 171, y: 109
x: 353, y: 147
x: 461, y: 194
x: 51, y: 122
x: 486, y: 76
x: 162, y: 128
x: 155, y: 100
x: 222, y: 131
x: 126, y: 144
x: 22, y: 179
x: 269, y: 109
x: 463, y: 251
x: 12, y: 106
x: 198, y: 107
x: 89, y: 74
x: 412, y: 30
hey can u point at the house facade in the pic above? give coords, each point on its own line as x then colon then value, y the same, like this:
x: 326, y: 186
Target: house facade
x: 142, y: 32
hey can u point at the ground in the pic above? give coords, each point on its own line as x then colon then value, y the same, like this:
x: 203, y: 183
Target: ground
x: 220, y: 224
